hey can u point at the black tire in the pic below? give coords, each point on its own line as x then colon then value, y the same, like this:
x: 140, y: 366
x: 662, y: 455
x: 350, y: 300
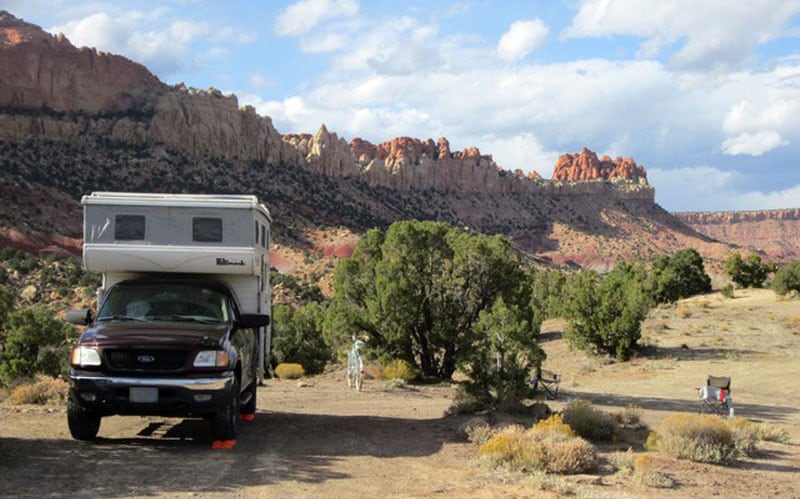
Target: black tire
x: 251, y: 393
x: 83, y: 424
x: 225, y: 422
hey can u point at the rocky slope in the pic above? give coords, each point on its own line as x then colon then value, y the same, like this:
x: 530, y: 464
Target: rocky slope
x: 775, y: 232
x: 74, y: 120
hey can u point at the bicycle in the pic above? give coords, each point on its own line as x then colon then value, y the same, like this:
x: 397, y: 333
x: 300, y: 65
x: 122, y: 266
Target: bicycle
x: 355, y: 365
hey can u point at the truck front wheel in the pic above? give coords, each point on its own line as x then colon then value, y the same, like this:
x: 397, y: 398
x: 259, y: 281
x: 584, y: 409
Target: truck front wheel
x: 251, y: 394
x: 83, y: 424
x: 225, y: 422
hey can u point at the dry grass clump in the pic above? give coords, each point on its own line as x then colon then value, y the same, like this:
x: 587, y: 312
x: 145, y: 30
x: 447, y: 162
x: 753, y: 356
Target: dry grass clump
x: 477, y: 431
x: 773, y: 433
x: 589, y: 422
x: 465, y: 402
x: 683, y: 311
x: 289, y: 371
x: 644, y: 473
x: 549, y: 446
x: 43, y: 390
x: 399, y: 369
x: 696, y: 437
x: 745, y: 435
x: 630, y: 416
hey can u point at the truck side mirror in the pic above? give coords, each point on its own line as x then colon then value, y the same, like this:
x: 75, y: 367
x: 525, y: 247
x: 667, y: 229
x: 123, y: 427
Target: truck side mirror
x: 81, y: 316
x: 248, y: 321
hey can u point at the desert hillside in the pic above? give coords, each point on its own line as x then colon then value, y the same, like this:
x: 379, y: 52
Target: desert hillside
x: 314, y: 437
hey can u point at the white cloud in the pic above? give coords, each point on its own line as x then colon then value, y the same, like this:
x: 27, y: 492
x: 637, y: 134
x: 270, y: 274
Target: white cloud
x: 152, y: 38
x: 522, y: 38
x: 260, y: 81
x: 707, y: 188
x: 522, y: 151
x: 709, y: 35
x: 753, y: 144
x: 301, y: 17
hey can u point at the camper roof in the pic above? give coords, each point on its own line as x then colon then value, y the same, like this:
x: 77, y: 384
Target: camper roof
x: 183, y: 200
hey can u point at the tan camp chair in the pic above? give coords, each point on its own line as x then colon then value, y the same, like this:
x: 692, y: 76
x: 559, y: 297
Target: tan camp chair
x: 715, y: 396
x: 547, y: 381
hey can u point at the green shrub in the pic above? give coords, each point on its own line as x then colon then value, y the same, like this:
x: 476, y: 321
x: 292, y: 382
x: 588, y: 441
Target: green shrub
x: 727, y: 291
x: 289, y: 371
x: 605, y: 315
x: 589, y: 422
x: 696, y: 437
x: 679, y: 275
x: 501, y: 358
x: 748, y: 273
x: 34, y: 343
x: 787, y: 278
x: 297, y: 336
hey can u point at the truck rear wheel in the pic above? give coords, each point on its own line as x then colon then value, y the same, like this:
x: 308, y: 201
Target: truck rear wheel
x: 83, y: 424
x: 249, y: 407
x: 225, y: 422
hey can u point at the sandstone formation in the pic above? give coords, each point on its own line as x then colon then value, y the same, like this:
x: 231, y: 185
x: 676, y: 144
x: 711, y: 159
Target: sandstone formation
x: 63, y: 78
x: 586, y: 166
x: 79, y: 92
x: 82, y: 91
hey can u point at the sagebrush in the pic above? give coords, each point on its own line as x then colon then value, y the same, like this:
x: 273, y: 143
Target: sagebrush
x: 289, y: 371
x: 549, y: 446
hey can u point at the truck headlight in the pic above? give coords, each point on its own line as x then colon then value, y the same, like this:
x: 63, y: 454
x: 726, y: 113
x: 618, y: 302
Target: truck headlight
x: 85, y: 356
x: 211, y: 358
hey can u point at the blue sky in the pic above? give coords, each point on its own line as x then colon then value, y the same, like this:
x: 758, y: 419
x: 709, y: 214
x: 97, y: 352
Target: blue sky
x: 704, y: 93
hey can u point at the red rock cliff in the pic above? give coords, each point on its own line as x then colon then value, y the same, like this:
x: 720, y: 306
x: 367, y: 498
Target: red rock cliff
x: 587, y: 166
x: 62, y: 77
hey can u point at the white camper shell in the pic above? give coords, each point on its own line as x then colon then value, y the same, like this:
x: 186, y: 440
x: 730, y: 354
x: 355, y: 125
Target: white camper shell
x: 129, y: 235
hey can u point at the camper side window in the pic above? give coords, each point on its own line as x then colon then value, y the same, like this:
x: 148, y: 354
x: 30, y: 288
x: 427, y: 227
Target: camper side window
x: 207, y: 230
x: 129, y: 227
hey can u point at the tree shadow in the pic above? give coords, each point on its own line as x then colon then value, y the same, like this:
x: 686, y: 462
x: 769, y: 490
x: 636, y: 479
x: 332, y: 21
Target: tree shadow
x: 749, y: 411
x: 175, y: 457
x: 696, y: 353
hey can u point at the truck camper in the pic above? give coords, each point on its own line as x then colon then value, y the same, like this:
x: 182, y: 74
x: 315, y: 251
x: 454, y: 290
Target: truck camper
x: 182, y: 326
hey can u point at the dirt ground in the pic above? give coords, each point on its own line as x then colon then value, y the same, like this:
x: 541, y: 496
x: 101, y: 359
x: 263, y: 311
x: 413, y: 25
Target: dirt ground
x: 316, y: 438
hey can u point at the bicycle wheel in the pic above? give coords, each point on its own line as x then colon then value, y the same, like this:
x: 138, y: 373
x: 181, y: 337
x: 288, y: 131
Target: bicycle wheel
x: 350, y: 367
x: 359, y: 373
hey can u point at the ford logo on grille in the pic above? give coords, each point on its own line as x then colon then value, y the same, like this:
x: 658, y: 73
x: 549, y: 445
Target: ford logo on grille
x: 146, y: 359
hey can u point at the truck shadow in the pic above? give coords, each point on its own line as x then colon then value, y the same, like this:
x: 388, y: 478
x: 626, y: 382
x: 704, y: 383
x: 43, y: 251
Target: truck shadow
x: 177, y: 457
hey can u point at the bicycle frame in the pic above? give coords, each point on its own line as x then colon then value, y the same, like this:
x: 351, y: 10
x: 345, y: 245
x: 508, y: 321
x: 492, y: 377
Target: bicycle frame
x: 355, y: 368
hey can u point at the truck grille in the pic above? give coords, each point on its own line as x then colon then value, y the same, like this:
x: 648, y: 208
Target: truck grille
x: 146, y: 359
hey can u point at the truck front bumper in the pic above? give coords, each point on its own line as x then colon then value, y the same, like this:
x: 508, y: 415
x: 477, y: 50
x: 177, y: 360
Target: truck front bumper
x: 109, y: 395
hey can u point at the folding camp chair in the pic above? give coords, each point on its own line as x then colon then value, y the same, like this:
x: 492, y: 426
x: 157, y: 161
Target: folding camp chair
x: 716, y: 395
x: 548, y: 381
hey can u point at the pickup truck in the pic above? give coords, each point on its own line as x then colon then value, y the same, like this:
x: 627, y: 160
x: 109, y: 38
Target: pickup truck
x: 168, y: 346
x: 182, y: 327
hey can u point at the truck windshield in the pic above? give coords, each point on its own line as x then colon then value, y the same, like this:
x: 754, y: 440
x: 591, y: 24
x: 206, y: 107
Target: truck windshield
x: 165, y: 302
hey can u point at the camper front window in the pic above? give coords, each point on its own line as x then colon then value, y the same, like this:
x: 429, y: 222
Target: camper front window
x: 207, y: 230
x: 141, y: 301
x: 129, y: 227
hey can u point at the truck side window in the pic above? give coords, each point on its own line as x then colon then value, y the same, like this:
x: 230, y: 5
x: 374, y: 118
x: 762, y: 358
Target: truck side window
x: 129, y: 227
x: 207, y: 229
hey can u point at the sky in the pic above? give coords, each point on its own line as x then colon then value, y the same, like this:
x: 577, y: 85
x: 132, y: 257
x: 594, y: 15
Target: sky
x: 704, y: 93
